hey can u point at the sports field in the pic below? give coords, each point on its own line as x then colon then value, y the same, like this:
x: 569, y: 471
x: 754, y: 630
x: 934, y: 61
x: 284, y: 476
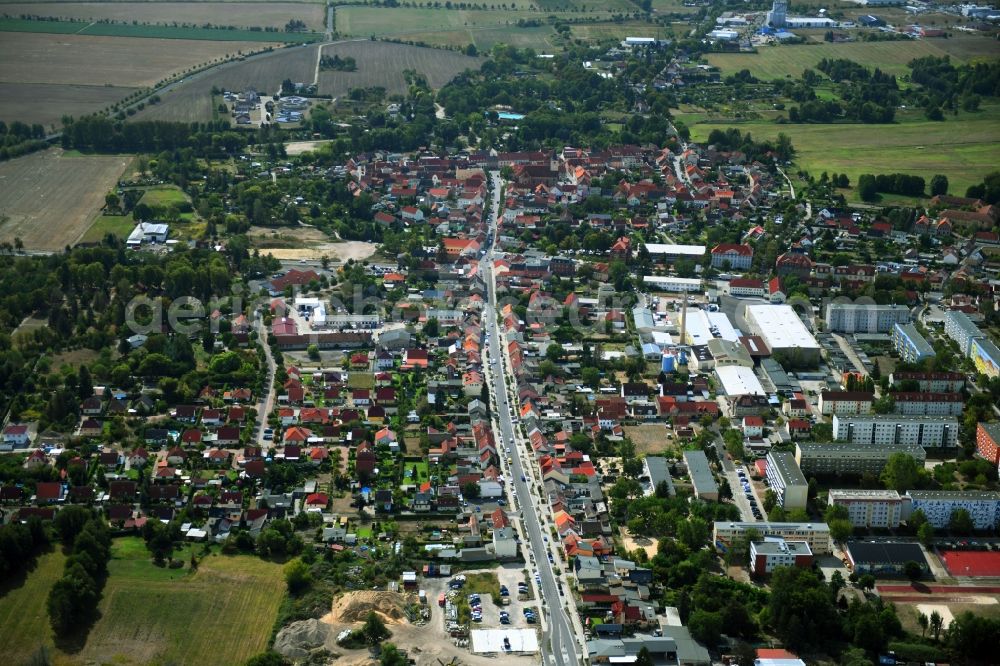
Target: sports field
x: 777, y: 62
x: 971, y: 563
x: 51, y: 199
x: 964, y: 148
x: 239, y: 14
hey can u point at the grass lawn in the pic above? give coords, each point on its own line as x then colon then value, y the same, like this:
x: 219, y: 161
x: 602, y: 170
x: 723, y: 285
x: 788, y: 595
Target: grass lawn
x: 482, y: 583
x: 963, y: 148
x: 777, y: 62
x: 163, y: 196
x: 220, y: 614
x: 119, y: 225
x: 24, y: 622
x: 361, y: 380
x: 416, y: 472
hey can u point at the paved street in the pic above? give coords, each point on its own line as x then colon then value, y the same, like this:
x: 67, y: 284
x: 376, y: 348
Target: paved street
x: 559, y: 642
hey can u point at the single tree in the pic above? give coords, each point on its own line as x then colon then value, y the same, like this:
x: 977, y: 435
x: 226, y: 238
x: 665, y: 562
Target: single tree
x: 936, y: 624
x: 924, y: 622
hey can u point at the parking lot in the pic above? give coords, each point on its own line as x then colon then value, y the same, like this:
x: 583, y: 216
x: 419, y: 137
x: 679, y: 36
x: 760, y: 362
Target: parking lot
x: 736, y: 484
x: 488, y: 615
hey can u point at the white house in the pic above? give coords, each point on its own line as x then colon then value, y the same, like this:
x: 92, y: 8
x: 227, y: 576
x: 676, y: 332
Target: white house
x: 15, y: 436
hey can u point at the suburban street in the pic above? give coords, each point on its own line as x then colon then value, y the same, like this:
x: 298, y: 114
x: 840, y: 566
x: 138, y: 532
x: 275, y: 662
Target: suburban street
x: 558, y: 644
x: 266, y: 403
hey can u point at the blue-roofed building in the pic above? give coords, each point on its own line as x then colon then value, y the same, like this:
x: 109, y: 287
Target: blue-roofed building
x: 909, y: 344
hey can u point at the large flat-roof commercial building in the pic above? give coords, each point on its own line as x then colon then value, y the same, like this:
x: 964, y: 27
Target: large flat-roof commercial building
x: 817, y: 535
x: 673, y: 284
x: 864, y: 318
x: 701, y: 475
x: 737, y: 380
x: 840, y: 459
x: 909, y: 344
x: 960, y: 328
x: 703, y: 326
x: 670, y: 252
x: 786, y: 480
x: 783, y: 332
x: 896, y: 429
x: 939, y: 505
x: 883, y: 557
x: 869, y: 508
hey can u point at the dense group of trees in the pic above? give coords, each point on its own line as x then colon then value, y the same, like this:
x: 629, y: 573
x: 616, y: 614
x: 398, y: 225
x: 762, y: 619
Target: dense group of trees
x: 19, y: 545
x: 338, y: 64
x: 105, y: 135
x: 869, y: 186
x: 945, y: 85
x: 73, y: 598
x: 732, y: 139
x: 17, y: 139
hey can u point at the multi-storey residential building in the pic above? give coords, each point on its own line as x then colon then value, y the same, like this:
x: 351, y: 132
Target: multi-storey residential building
x: 960, y: 328
x: 864, y: 318
x: 988, y: 441
x: 937, y: 382
x: 823, y: 459
x: 909, y: 344
x: 869, y: 508
x: 928, y: 404
x: 774, y: 552
x: 895, y: 429
x: 817, y: 535
x: 701, y: 475
x: 786, y: 480
x: 738, y: 257
x: 938, y: 506
x: 846, y: 402
x: 986, y: 357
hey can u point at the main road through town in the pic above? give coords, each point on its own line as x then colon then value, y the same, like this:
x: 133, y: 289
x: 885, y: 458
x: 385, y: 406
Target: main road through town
x: 559, y: 644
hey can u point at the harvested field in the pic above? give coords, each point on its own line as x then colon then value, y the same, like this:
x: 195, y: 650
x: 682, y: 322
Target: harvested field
x: 192, y: 100
x: 47, y: 103
x: 239, y: 14
x: 382, y: 64
x: 362, y: 21
x: 80, y: 60
x: 52, y: 199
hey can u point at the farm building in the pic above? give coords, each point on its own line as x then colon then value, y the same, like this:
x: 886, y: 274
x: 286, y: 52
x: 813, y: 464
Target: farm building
x: 148, y: 232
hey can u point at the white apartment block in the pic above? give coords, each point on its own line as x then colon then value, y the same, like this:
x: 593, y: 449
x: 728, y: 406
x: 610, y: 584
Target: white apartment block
x: 960, y: 328
x: 864, y: 318
x: 774, y: 552
x: 845, y: 402
x: 817, y: 535
x: 869, y: 508
x: 786, y: 480
x: 938, y: 505
x: 897, y: 430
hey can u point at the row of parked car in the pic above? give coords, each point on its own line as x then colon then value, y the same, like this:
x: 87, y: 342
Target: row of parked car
x: 748, y: 493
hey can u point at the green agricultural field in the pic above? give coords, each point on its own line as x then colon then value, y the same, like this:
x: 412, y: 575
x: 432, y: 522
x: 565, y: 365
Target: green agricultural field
x: 597, y: 32
x: 24, y: 621
x: 118, y: 225
x: 777, y: 62
x: 151, y: 31
x: 964, y: 148
x: 148, y: 613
